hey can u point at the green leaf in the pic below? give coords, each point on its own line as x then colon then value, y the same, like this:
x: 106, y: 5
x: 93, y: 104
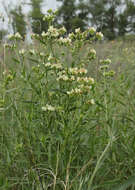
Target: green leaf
x: 125, y: 184
x: 16, y: 60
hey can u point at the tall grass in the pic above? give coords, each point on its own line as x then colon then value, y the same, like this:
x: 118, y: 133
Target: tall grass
x: 66, y: 118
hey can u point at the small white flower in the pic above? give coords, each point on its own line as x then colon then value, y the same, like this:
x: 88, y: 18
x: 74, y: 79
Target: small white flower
x: 22, y: 52
x: 77, y: 90
x: 91, y: 80
x: 93, y: 51
x: 32, y: 52
x: 64, y: 41
x: 44, y: 34
x: 92, y: 101
x: 107, y: 61
x: 7, y: 45
x: 48, y: 108
x: 56, y: 65
x: 4, y: 72
x: 71, y: 35
x: 34, y: 36
x: 74, y: 91
x: 63, y: 77
x: 41, y: 54
x: 62, y: 30
x: 85, y: 80
x: 76, y: 71
x: 77, y: 30
x: 50, y: 57
x: 73, y: 71
x: 72, y: 78
x: 82, y: 71
x: 92, y: 30
x: 53, y: 31
x: 63, y: 72
x: 99, y: 35
x: 47, y: 64
x: 18, y: 36
x: 10, y: 36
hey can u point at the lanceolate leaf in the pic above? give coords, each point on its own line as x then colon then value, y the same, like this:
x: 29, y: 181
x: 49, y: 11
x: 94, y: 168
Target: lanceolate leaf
x: 130, y: 181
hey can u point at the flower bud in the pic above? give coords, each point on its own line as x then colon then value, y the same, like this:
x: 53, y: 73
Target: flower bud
x: 92, y: 30
x: 99, y: 35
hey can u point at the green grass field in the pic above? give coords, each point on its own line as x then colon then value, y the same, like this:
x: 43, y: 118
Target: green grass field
x: 63, y: 127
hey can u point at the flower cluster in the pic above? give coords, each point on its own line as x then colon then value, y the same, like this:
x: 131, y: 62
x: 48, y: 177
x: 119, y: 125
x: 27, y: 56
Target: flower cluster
x: 109, y: 73
x: 74, y: 91
x: 32, y: 52
x: 99, y: 35
x: 86, y: 80
x: 78, y: 35
x: 16, y: 36
x: 77, y: 30
x: 71, y: 36
x: 41, y: 54
x: 10, y: 46
x: 92, y: 30
x: 80, y: 89
x: 49, y: 17
x: 92, y: 54
x: 48, y: 108
x: 62, y: 30
x: 105, y: 64
x: 35, y: 36
x: 63, y: 77
x: 53, y: 65
x: 91, y: 102
x: 89, y: 34
x: 104, y: 68
x: 53, y: 32
x: 105, y: 61
x: 64, y: 41
x: 22, y: 52
x: 76, y: 71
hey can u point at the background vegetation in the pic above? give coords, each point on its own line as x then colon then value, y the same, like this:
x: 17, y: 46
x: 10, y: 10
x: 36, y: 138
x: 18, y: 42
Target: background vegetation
x: 67, y: 102
x: 113, y: 18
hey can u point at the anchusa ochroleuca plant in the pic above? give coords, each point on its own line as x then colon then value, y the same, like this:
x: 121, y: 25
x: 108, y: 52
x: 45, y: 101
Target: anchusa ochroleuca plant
x: 56, y: 92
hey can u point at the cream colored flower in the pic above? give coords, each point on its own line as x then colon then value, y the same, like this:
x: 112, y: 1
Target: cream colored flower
x: 74, y: 91
x: 47, y: 64
x: 56, y: 66
x: 63, y: 77
x: 77, y: 30
x: 99, y: 35
x: 62, y: 30
x: 92, y: 101
x: 10, y: 36
x: 85, y: 80
x: 92, y: 30
x: 75, y: 71
x: 18, y: 36
x: 82, y: 71
x: 22, y: 52
x: 65, y: 41
x: 32, y: 52
x: 48, y: 108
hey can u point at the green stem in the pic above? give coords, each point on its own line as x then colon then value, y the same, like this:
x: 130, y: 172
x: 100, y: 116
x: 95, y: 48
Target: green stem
x: 98, y: 165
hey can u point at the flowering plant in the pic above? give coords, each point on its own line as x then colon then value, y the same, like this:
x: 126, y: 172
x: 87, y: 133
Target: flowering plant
x: 55, y: 104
